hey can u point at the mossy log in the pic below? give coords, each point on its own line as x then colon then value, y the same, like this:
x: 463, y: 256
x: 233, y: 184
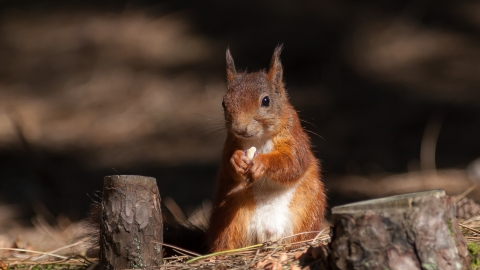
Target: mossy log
x: 410, y: 231
x: 131, y: 230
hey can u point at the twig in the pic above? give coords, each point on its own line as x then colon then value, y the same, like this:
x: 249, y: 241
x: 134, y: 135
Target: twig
x: 177, y: 248
x: 320, y: 233
x: 223, y: 252
x: 468, y: 228
x: 254, y: 258
x: 461, y: 196
x: 297, y: 234
x: 58, y: 249
x: 36, y: 252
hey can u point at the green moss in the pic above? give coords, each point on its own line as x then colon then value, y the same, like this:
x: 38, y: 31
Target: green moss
x: 474, y: 252
x: 429, y: 266
x: 450, y: 227
x: 473, y: 248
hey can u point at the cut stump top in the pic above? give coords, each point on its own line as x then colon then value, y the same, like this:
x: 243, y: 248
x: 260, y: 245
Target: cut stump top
x: 129, y: 179
x: 403, y: 201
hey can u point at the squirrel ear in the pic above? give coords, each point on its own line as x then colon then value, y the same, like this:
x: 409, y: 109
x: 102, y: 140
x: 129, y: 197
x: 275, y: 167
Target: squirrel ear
x: 231, y: 72
x: 275, y: 72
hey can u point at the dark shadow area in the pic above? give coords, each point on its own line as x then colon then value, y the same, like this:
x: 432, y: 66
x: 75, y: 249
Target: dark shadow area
x: 107, y: 87
x: 63, y: 185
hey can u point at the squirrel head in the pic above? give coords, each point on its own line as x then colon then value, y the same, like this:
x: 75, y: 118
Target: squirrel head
x: 255, y: 103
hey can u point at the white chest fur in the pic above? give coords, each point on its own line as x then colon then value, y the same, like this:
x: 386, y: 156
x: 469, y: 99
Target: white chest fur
x: 271, y: 219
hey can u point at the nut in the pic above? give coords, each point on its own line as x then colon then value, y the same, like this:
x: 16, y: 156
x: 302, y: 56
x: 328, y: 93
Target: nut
x: 251, y: 152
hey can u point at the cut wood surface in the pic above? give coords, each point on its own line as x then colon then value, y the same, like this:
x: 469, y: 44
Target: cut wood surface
x: 131, y: 227
x: 410, y: 231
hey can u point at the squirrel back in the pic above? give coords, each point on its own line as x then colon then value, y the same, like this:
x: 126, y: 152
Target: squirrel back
x: 279, y: 192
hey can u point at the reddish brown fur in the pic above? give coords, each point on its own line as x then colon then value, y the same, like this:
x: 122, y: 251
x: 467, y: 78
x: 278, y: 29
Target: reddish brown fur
x: 290, y: 161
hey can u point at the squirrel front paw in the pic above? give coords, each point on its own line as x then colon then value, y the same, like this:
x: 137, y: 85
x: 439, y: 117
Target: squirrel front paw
x: 240, y: 162
x: 258, y: 169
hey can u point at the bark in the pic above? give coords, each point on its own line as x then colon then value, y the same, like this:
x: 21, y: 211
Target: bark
x: 131, y: 230
x: 411, y: 231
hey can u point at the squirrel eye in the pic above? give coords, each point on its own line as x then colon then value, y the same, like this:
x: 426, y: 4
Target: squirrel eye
x: 265, y: 101
x: 223, y: 104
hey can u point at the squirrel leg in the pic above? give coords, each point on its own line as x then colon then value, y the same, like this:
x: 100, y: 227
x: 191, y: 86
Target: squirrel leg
x: 281, y: 167
x: 228, y: 236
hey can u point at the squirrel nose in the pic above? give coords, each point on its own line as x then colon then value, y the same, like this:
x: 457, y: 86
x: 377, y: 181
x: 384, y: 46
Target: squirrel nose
x: 243, y: 132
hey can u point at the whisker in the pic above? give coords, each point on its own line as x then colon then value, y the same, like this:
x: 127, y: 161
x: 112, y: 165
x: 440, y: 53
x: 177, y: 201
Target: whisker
x: 208, y: 127
x: 263, y: 182
x: 216, y: 133
x: 305, y: 121
x: 209, y: 118
x: 202, y: 131
x: 311, y: 132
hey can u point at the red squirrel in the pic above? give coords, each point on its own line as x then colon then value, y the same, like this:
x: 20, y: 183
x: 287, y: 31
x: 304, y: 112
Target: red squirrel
x: 279, y: 192
x: 276, y: 194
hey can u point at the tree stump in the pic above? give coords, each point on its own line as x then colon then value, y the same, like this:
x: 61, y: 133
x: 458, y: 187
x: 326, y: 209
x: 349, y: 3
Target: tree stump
x: 131, y: 230
x: 410, y: 231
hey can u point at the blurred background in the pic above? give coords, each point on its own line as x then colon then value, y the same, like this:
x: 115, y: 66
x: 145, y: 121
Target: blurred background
x: 390, y: 91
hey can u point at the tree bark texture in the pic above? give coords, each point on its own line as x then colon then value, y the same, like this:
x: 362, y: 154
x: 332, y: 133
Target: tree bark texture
x: 131, y: 230
x: 410, y: 231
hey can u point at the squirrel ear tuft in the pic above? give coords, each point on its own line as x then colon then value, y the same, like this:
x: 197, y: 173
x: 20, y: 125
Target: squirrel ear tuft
x: 231, y: 72
x: 275, y: 72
